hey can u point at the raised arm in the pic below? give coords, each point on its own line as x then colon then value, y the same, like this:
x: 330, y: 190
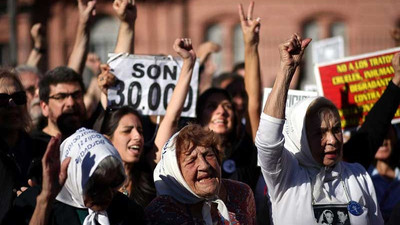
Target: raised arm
x: 126, y: 12
x: 291, y: 53
x: 79, y: 53
x: 362, y: 146
x: 38, y: 50
x: 252, y: 78
x: 105, y: 80
x: 204, y: 51
x: 169, y: 124
x: 54, y: 177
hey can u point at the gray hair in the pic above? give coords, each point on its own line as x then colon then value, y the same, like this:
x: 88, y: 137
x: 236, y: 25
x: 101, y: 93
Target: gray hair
x: 108, y: 176
x: 28, y: 69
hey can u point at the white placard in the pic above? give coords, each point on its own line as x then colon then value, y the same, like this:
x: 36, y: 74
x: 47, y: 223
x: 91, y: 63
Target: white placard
x: 328, y: 49
x: 146, y: 83
x: 293, y: 97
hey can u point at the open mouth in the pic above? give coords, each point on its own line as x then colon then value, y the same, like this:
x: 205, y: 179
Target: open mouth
x: 219, y: 121
x: 206, y: 178
x: 331, y: 154
x: 134, y: 148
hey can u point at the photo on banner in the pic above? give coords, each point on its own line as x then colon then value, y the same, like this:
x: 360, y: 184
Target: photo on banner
x: 147, y: 82
x: 355, y: 83
x: 331, y: 214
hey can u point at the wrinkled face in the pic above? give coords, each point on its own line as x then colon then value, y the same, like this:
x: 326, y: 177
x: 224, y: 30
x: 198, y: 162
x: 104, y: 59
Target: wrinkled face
x: 201, y: 171
x: 128, y: 138
x: 30, y: 81
x: 65, y: 98
x: 218, y: 114
x: 324, y: 135
x: 10, y: 115
x: 342, y: 216
x: 329, y: 217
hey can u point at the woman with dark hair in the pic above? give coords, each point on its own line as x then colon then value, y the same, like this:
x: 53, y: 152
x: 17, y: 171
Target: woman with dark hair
x: 119, y: 127
x: 124, y: 128
x: 326, y: 217
x: 215, y: 111
x: 385, y: 174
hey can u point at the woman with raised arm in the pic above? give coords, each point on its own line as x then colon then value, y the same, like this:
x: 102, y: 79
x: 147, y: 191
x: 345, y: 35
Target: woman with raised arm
x: 215, y: 111
x: 301, y: 161
x: 124, y: 128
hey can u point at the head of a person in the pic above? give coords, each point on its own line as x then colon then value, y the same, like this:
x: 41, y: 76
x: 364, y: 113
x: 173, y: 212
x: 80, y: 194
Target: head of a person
x: 61, y: 91
x: 239, y: 95
x: 386, y: 151
x: 324, y: 132
x: 327, y: 216
x: 102, y: 185
x: 215, y: 111
x: 13, y: 110
x: 199, y: 160
x: 124, y: 128
x: 30, y: 77
x: 95, y: 172
x: 342, y: 216
x: 93, y: 62
x: 223, y: 80
x: 238, y: 68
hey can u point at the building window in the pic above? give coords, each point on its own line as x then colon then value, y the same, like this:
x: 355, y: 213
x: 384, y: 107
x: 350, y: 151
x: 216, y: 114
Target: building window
x: 103, y: 37
x: 238, y: 45
x: 214, y: 34
x: 228, y: 34
x: 4, y: 54
x: 319, y: 29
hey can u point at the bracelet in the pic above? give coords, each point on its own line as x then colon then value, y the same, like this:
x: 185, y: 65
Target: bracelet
x: 40, y: 50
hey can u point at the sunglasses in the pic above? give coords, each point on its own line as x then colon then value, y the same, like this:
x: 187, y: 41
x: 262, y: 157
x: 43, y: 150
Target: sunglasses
x: 19, y: 98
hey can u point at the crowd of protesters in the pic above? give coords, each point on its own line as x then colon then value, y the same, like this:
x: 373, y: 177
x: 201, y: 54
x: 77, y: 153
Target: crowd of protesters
x: 67, y: 158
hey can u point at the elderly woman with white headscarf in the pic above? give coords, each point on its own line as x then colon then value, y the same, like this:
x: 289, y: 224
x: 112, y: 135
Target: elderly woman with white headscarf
x: 90, y: 194
x: 189, y: 185
x: 301, y: 159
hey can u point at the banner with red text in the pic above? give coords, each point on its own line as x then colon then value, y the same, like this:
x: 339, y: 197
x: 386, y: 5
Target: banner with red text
x: 355, y: 83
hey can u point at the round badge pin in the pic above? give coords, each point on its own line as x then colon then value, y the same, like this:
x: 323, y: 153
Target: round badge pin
x: 355, y: 208
x: 229, y: 166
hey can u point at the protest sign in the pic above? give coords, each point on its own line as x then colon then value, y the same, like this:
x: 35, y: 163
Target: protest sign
x: 293, y: 96
x: 146, y: 83
x: 327, y: 50
x: 354, y: 84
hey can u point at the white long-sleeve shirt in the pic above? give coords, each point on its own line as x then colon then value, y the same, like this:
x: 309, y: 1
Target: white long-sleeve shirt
x: 290, y: 185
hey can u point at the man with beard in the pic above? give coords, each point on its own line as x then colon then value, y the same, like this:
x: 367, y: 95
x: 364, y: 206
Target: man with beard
x: 61, y: 96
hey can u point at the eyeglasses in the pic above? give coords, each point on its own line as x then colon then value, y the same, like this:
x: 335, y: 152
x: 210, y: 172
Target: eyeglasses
x: 19, y: 98
x: 62, y: 96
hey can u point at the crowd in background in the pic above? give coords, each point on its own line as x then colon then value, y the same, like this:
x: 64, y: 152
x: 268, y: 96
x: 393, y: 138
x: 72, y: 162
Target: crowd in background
x: 67, y: 158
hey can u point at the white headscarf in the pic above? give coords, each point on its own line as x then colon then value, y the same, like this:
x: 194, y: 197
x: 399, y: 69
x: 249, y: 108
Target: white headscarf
x: 297, y: 143
x: 87, y: 149
x: 169, y: 181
